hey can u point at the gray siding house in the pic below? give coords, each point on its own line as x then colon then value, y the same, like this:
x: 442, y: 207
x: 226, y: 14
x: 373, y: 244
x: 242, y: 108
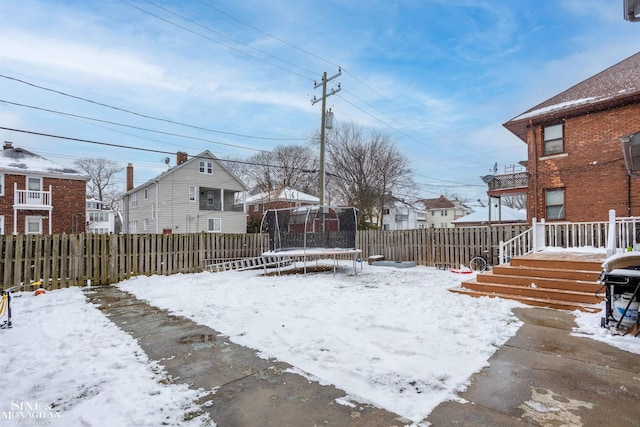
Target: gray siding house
x: 198, y: 194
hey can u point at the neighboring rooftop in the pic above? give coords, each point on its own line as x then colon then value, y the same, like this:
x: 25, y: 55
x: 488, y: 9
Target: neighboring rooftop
x: 282, y: 194
x: 616, y: 86
x: 21, y: 161
x: 440, y: 203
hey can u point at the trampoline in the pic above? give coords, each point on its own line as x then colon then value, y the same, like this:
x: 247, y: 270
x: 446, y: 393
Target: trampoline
x: 311, y: 233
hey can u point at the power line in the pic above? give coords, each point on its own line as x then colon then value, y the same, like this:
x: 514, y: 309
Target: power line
x: 128, y: 126
x: 211, y: 40
x: 150, y: 150
x: 148, y: 116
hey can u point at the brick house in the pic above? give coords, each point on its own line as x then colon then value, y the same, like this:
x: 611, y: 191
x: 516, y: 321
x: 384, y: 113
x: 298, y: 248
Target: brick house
x: 576, y: 168
x: 38, y: 196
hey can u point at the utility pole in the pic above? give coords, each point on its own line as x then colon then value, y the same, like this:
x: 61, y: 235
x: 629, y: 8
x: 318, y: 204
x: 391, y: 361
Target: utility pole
x: 322, y: 126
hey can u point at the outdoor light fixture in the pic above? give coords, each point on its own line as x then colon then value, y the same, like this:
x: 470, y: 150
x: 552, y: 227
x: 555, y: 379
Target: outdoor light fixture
x: 631, y: 152
x: 632, y: 10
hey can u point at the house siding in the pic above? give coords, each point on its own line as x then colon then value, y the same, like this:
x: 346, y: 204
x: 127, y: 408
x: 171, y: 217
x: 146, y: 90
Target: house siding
x: 174, y: 210
x: 591, y: 169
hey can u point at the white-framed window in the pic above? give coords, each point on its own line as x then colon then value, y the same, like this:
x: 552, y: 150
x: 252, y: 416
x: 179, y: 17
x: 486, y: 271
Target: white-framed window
x: 443, y: 212
x: 1, y: 224
x: 193, y: 191
x: 553, y: 139
x: 206, y: 167
x: 2, y: 185
x: 146, y: 193
x: 145, y: 224
x: 33, y: 225
x: 554, y: 202
x: 214, y: 225
x: 34, y: 183
x: 133, y: 200
x: 133, y: 226
x: 153, y: 210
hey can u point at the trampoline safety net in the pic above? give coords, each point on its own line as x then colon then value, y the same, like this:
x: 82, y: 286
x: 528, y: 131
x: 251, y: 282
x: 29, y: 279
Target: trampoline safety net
x: 311, y: 227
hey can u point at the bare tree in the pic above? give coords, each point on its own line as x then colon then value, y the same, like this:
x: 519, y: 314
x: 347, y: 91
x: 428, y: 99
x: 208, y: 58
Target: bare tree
x: 365, y: 167
x: 102, y: 185
x: 286, y: 166
x: 515, y: 201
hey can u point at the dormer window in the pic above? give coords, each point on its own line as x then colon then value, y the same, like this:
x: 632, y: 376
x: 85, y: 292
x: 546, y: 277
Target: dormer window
x: 553, y: 139
x: 206, y: 167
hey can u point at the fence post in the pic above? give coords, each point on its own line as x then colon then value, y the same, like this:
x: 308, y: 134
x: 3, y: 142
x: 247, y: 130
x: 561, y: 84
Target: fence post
x: 537, y: 229
x: 611, y: 239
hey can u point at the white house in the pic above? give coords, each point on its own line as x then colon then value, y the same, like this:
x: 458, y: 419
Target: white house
x: 196, y: 195
x: 100, y: 219
x: 442, y: 212
x: 400, y: 215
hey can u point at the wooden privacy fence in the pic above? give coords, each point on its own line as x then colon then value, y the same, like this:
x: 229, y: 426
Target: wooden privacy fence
x: 79, y: 259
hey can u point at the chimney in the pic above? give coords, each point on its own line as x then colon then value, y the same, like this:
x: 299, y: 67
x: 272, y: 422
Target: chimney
x: 129, y: 177
x: 181, y: 157
x: 7, y: 145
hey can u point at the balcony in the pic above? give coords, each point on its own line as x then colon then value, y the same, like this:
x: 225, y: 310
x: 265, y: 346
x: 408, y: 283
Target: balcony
x: 27, y: 199
x: 509, y: 183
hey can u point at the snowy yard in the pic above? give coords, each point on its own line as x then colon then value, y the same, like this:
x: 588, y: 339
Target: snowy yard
x: 396, y: 338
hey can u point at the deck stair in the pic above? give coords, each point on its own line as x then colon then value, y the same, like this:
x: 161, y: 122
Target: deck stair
x: 567, y: 281
x: 241, y: 264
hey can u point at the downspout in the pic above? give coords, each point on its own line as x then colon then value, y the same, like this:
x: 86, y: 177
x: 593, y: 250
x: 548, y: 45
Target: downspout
x: 157, y: 207
x: 628, y: 195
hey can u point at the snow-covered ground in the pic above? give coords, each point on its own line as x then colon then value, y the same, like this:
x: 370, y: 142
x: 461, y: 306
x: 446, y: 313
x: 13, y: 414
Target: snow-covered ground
x: 396, y: 338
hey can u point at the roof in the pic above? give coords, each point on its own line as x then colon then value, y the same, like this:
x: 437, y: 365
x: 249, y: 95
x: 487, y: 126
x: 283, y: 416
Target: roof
x: 206, y: 154
x: 282, y: 194
x: 22, y: 162
x: 506, y: 214
x: 616, y: 86
x: 439, y: 203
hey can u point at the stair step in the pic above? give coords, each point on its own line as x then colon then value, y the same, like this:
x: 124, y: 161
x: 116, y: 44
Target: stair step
x: 554, y: 273
x: 536, y: 292
x: 534, y: 301
x: 539, y: 282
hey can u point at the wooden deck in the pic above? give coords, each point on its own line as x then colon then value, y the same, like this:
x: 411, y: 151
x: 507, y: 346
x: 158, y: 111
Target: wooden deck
x: 561, y: 280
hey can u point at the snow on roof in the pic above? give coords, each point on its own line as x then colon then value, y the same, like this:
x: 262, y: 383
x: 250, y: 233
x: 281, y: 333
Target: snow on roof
x: 617, y: 83
x: 283, y: 194
x: 20, y: 161
x: 506, y: 214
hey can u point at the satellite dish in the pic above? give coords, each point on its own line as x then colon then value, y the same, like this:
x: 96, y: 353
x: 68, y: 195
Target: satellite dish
x: 495, y: 168
x: 487, y: 178
x: 166, y: 160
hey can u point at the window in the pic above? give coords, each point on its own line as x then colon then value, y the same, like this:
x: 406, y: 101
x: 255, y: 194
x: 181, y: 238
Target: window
x: 133, y: 227
x: 553, y: 139
x: 1, y: 224
x: 1, y: 184
x: 554, y: 202
x: 133, y: 200
x: 214, y: 225
x: 34, y: 184
x: 146, y: 193
x: 33, y: 225
x: 145, y: 224
x: 443, y: 212
x: 153, y: 210
x: 206, y: 167
x: 192, y: 193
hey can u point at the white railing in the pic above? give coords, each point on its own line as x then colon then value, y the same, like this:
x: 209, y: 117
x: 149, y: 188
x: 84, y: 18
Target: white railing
x: 27, y: 198
x: 615, y: 235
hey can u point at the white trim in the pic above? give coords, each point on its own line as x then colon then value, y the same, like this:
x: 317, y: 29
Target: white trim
x: 211, y: 226
x: 29, y: 219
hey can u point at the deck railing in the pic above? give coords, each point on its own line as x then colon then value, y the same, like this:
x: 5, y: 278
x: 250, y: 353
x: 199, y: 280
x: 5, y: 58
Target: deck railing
x: 615, y: 235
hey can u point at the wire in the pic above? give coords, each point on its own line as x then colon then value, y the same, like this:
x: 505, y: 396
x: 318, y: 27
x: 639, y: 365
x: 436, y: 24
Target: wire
x: 147, y: 116
x: 128, y: 126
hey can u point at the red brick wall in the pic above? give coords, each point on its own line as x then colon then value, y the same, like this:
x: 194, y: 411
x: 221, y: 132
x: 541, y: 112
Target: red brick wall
x: 591, y: 170
x: 68, y: 199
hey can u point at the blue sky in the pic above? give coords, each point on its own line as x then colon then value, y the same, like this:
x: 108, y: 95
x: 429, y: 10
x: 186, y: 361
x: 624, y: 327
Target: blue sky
x: 438, y: 76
